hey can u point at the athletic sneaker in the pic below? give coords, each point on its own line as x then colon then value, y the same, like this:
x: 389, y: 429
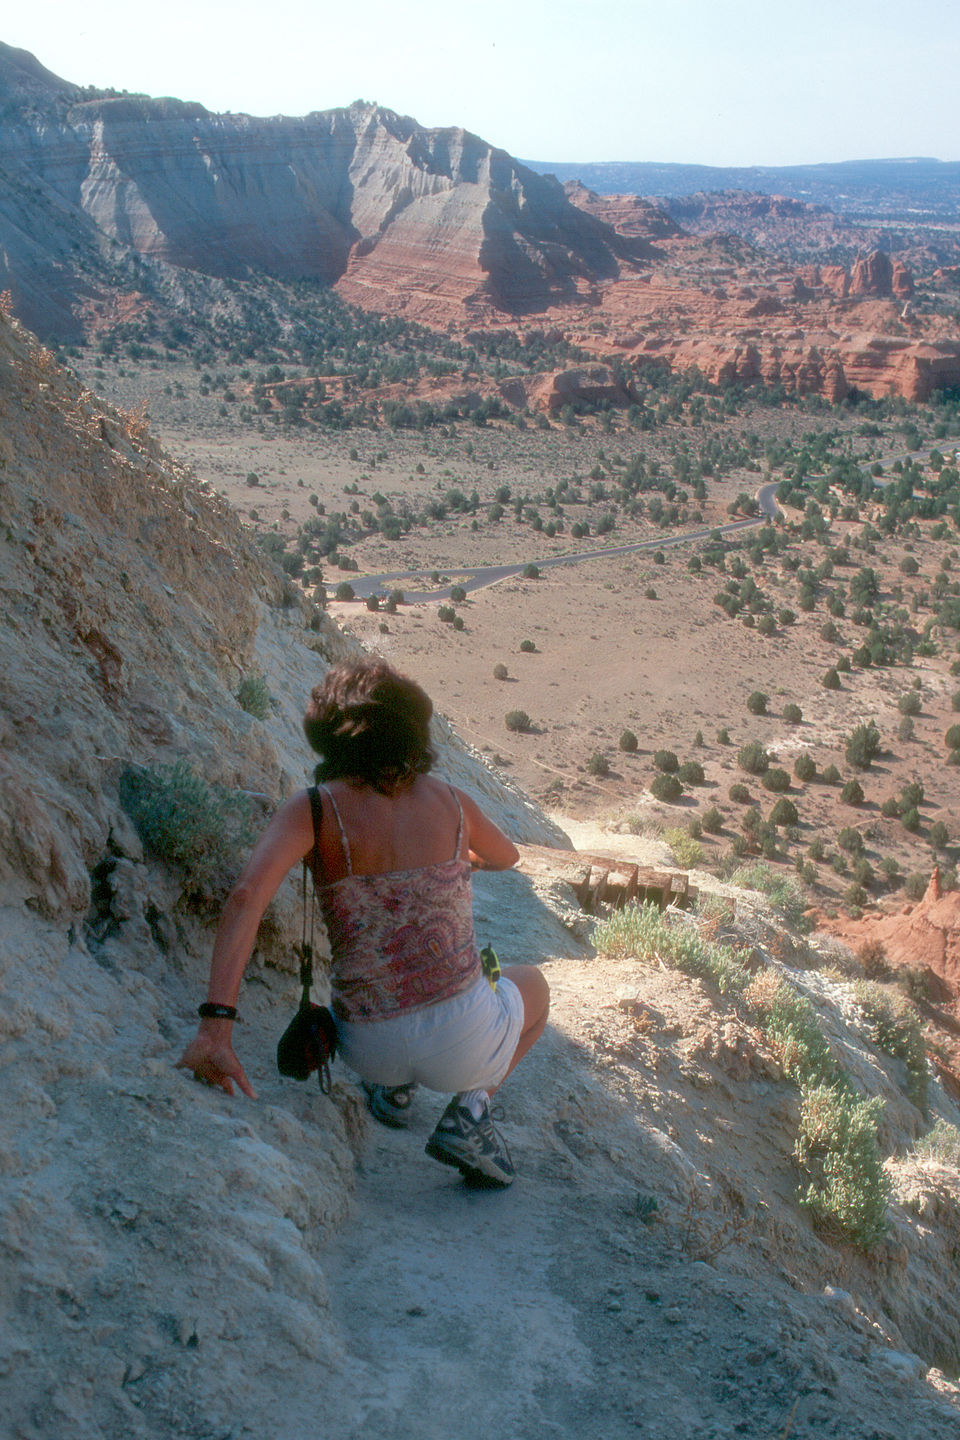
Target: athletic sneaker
x: 472, y: 1146
x: 390, y: 1104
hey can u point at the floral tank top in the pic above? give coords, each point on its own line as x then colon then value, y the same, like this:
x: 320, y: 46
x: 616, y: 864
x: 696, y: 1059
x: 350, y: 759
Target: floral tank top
x: 401, y: 940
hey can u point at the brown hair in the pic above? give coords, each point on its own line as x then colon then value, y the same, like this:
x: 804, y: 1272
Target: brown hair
x: 369, y: 723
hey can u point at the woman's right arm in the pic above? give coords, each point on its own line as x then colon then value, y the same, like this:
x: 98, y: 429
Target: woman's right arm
x: 489, y: 848
x: 286, y: 840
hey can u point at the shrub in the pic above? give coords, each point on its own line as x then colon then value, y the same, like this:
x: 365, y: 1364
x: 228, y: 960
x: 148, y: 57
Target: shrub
x: 446, y: 614
x: 344, y: 591
x: 831, y: 775
x: 739, y: 793
x: 852, y: 793
x: 766, y: 625
x: 863, y: 745
x: 890, y: 808
x: 645, y: 933
x: 757, y: 702
x: 528, y: 647
x: 691, y: 772
x: 457, y: 593
x: 723, y: 736
x: 938, y: 835
x: 843, y: 665
x: 500, y: 671
x: 517, y: 720
x: 666, y: 788
x: 790, y: 1024
x: 829, y: 632
x: 855, y: 897
x: 873, y: 957
x: 952, y: 738
x: 199, y: 828
x: 666, y: 761
x: 941, y: 1143
x: 628, y: 742
x: 910, y: 819
x: 850, y: 840
x: 712, y: 820
x: 895, y: 1029
x: 910, y: 703
x: 915, y: 885
x: 784, y: 812
x: 846, y: 1188
x: 531, y: 572
x: 792, y: 714
x: 372, y: 602
x: 598, y: 764
x: 955, y: 697
x: 753, y: 758
x: 831, y: 680
x: 685, y: 849
x: 253, y: 695
x: 783, y: 893
x: 805, y: 767
x: 776, y: 780
x: 905, y: 729
x: 817, y: 848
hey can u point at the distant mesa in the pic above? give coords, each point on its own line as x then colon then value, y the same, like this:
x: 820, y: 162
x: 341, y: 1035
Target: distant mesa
x: 438, y: 226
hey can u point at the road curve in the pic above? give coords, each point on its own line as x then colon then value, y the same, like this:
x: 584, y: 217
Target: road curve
x: 479, y: 577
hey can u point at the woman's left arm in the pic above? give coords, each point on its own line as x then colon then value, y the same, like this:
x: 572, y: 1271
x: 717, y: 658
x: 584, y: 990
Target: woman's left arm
x: 285, y: 841
x: 489, y: 848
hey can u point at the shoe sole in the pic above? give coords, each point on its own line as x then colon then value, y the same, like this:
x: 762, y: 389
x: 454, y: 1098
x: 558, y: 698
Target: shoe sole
x: 480, y: 1175
x: 386, y: 1114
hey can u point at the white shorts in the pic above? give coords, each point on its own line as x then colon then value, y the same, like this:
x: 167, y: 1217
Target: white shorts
x: 464, y: 1043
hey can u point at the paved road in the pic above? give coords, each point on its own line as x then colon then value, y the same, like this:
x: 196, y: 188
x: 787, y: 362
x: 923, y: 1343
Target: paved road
x: 478, y: 577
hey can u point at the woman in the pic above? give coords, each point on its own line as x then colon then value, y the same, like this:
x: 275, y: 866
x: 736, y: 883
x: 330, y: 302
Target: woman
x: 391, y: 849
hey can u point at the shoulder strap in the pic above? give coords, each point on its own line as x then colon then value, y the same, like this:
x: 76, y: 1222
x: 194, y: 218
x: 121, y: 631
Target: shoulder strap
x: 456, y: 797
x: 316, y: 812
x: 343, y: 834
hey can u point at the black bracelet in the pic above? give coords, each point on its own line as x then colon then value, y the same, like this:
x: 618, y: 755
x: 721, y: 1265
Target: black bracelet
x: 209, y: 1011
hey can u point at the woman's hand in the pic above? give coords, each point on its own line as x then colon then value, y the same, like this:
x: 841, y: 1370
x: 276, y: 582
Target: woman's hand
x: 211, y: 1057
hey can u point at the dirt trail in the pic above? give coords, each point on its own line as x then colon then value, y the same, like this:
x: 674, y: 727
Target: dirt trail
x: 555, y: 1309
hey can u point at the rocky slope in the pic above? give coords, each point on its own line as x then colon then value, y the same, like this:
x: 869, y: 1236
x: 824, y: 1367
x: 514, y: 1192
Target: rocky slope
x: 181, y: 1263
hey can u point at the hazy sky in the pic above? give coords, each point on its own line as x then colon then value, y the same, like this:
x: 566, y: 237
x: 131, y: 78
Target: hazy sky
x: 719, y: 82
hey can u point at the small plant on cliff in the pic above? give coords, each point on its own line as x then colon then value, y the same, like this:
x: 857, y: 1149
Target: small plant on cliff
x: 895, y: 1028
x: 253, y: 695
x: 846, y: 1188
x: 200, y: 829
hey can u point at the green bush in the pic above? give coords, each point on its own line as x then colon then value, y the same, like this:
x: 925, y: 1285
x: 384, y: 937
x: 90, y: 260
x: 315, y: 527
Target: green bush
x: 666, y: 761
x: 846, y: 1189
x: 941, y: 1143
x: 527, y: 647
x: 457, y: 593
x: 517, y: 720
x: 805, y: 767
x: 792, y: 714
x: 783, y: 893
x: 628, y: 742
x: 200, y: 829
x: 831, y: 680
x: 952, y: 738
x: 790, y: 1024
x: 685, y: 849
x: 666, y: 788
x: 862, y: 745
x: 739, y: 793
x: 784, y: 812
x: 905, y: 730
x: 723, y: 736
x: 598, y: 764
x: 344, y: 591
x: 766, y: 625
x: 850, y: 840
x: 712, y: 820
x: 910, y: 820
x: 253, y: 695
x: 691, y: 772
x: 852, y: 793
x: 531, y: 572
x: 895, y: 1028
x: 831, y: 775
x: 753, y: 758
x: 757, y: 702
x: 645, y: 933
x: 446, y: 614
x: 910, y: 703
x: 776, y: 780
x: 500, y: 671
